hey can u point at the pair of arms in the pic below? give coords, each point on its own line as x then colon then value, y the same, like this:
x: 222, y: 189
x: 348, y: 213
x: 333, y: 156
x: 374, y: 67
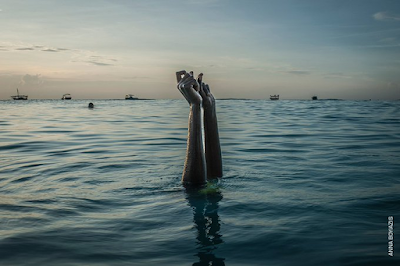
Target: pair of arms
x: 201, y: 163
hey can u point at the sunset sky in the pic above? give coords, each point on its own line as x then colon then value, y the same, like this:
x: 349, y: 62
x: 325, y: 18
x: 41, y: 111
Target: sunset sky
x: 246, y: 49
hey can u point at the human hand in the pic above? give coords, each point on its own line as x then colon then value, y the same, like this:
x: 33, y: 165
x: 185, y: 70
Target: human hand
x: 206, y: 95
x: 179, y: 75
x: 189, y: 87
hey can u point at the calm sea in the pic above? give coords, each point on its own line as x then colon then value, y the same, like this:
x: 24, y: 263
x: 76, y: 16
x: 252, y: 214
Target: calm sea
x: 305, y: 183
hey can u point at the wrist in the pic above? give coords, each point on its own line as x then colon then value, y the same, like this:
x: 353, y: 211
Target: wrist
x: 195, y: 107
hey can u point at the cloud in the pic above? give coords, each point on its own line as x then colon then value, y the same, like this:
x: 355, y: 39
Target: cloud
x: 336, y: 75
x: 54, y: 50
x: 25, y: 49
x: 386, y: 16
x: 101, y: 60
x: 99, y: 63
x: 94, y: 59
x: 19, y: 47
x: 77, y: 55
x: 380, y: 46
x: 50, y: 50
x: 388, y: 40
x: 203, y: 2
x: 298, y: 72
x: 393, y: 85
x: 256, y: 68
x: 31, y: 79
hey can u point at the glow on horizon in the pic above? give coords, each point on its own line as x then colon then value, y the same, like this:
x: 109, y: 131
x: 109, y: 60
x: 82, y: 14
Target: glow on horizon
x: 246, y: 49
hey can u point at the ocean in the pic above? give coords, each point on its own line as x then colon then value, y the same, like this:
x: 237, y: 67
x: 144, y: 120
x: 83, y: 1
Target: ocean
x: 305, y: 183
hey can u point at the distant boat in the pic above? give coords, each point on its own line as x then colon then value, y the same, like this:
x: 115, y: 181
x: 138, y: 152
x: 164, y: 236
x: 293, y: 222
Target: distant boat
x: 66, y: 97
x: 314, y: 98
x: 130, y: 97
x: 274, y: 97
x: 19, y: 97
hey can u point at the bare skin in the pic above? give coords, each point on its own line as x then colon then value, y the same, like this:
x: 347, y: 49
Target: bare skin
x: 200, y: 163
x: 213, y: 147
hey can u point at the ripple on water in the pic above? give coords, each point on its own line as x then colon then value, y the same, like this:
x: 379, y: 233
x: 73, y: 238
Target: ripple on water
x: 309, y: 181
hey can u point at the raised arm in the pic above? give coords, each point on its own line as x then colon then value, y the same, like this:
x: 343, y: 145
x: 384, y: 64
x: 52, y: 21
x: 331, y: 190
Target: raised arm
x: 195, y: 171
x: 213, y: 147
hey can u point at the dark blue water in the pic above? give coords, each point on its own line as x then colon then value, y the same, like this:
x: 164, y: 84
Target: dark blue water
x: 305, y: 183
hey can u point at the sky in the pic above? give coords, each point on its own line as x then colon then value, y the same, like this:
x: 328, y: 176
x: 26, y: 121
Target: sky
x: 104, y: 49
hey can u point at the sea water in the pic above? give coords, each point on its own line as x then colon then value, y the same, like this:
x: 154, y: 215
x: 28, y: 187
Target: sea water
x: 305, y: 183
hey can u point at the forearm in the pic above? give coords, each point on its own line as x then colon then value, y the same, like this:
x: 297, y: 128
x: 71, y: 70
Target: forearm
x: 213, y: 147
x: 194, y: 171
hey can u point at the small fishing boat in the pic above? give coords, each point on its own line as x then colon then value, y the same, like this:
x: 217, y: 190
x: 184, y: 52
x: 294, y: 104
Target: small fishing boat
x: 314, y: 98
x: 66, y: 97
x: 130, y: 97
x: 274, y: 97
x: 19, y: 97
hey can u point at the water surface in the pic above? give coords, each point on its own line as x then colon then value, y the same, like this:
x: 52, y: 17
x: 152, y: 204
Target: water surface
x: 305, y: 183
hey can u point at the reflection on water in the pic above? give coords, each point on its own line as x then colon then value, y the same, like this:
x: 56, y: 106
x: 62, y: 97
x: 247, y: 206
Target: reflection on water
x: 207, y: 222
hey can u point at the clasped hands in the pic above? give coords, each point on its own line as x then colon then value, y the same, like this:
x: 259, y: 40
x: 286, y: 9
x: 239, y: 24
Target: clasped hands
x: 194, y: 91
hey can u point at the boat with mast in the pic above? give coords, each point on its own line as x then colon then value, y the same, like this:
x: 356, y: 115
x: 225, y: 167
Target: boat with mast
x: 19, y: 97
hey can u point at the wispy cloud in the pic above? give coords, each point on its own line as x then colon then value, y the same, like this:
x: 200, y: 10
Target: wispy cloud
x: 388, y: 40
x: 94, y: 59
x: 380, y: 46
x: 99, y: 63
x: 101, y: 60
x: 30, y: 47
x: 50, y: 50
x: 203, y: 2
x: 386, y: 16
x: 25, y: 49
x: 336, y: 75
x: 76, y: 55
x: 298, y: 72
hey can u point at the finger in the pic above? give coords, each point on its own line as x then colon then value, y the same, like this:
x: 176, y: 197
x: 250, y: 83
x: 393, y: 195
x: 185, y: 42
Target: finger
x: 179, y: 75
x: 184, y: 80
x: 188, y: 83
x: 191, y: 82
x: 207, y: 89
x: 202, y: 92
x: 200, y: 79
x: 196, y: 85
x: 181, y: 85
x: 185, y: 77
x: 189, y: 88
x: 191, y: 92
